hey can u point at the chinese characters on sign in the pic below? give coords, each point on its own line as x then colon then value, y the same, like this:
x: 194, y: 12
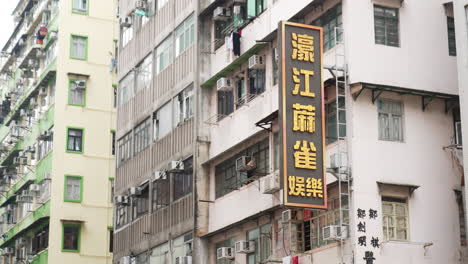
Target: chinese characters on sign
x: 374, y: 243
x: 301, y: 116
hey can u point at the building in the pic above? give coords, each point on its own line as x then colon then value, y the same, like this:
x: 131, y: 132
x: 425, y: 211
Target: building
x: 57, y: 126
x: 393, y: 135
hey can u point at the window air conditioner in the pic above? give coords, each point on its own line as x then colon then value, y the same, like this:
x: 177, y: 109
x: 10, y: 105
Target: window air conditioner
x: 224, y: 84
x: 291, y: 215
x: 53, y: 35
x: 271, y: 183
x: 245, y: 247
x: 9, y: 207
x: 134, y: 191
x: 256, y: 62
x: 34, y: 188
x: 176, y: 166
x: 8, y: 251
x: 80, y: 85
x: 43, y: 91
x: 121, y: 200
x: 47, y: 176
x: 225, y: 253
x: 140, y: 4
x: 221, y: 13
x: 245, y: 164
x: 40, y: 54
x: 159, y: 175
x: 184, y: 260
x: 125, y: 260
x: 331, y: 232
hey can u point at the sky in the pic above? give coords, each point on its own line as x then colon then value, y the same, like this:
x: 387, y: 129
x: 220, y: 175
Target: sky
x: 6, y: 21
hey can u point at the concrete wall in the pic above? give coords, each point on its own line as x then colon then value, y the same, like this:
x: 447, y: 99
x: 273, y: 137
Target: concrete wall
x: 97, y: 118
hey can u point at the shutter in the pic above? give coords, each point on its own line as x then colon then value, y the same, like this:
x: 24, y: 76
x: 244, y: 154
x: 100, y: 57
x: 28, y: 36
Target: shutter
x: 251, y: 9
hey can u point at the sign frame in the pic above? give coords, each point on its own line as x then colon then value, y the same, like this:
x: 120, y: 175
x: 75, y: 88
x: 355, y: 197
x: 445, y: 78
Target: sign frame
x: 285, y: 155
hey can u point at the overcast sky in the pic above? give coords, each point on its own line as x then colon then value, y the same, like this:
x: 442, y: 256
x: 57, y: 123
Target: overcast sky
x: 6, y: 21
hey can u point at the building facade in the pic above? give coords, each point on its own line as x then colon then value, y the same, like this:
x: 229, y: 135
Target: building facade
x: 58, y: 124
x: 393, y: 134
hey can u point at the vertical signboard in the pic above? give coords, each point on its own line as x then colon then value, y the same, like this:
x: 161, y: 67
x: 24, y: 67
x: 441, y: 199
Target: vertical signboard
x: 301, y: 114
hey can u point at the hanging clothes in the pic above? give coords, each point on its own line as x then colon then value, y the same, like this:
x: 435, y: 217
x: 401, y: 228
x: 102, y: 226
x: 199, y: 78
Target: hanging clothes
x: 229, y: 43
x: 236, y: 43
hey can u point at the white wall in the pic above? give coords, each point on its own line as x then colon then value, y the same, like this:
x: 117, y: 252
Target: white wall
x: 422, y: 60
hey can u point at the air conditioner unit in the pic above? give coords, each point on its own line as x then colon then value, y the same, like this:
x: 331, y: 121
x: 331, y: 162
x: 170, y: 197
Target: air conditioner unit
x: 224, y: 84
x: 8, y: 251
x: 134, y: 191
x: 221, y: 13
x: 126, y: 22
x: 291, y: 215
x: 332, y: 232
x: 159, y: 175
x: 121, y: 200
x: 20, y: 242
x: 21, y: 42
x: 256, y: 62
x: 10, y: 207
x: 339, y: 161
x: 34, y: 188
x: 245, y: 247
x: 225, y: 253
x: 140, y: 4
x: 239, y: 1
x: 125, y: 260
x: 40, y: 54
x: 183, y: 260
x: 80, y: 85
x: 245, y: 164
x: 175, y: 166
x: 42, y: 91
x: 47, y: 176
x: 53, y: 35
x: 31, y: 149
x: 33, y: 63
x: 33, y: 102
x: 271, y: 183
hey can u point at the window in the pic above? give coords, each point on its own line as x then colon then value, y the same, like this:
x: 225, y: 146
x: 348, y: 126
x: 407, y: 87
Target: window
x: 457, y: 127
x: 395, y: 219
x: 71, y: 238
x: 127, y: 35
x: 125, y: 148
x: 185, y: 35
x: 114, y: 89
x: 386, y: 26
x: 275, y: 68
x: 390, y: 120
x: 226, y: 243
x: 161, y: 3
x: 256, y: 81
x: 162, y: 121
x: 276, y: 142
x: 141, y: 202
x: 160, y: 193
x: 77, y: 92
x: 241, y: 91
x: 461, y: 218
x: 183, y: 106
x: 50, y: 54
x: 111, y: 240
x: 255, y: 8
x: 331, y: 121
x: 164, y: 55
x: 126, y: 88
x: 228, y: 179
x: 142, y: 135
x: 79, y: 47
x: 144, y: 73
x: 219, y: 31
x: 182, y: 181
x: 121, y: 215
x: 225, y: 104
x: 75, y: 140
x: 262, y: 237
x: 452, y: 44
x: 329, y: 21
x: 113, y: 142
x: 40, y: 240
x: 73, y: 189
x: 80, y: 7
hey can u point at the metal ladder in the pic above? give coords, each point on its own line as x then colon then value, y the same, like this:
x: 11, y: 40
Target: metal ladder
x: 342, y: 93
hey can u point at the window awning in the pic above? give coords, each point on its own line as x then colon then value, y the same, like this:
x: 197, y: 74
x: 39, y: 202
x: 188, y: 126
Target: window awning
x: 267, y: 122
x: 400, y: 190
x: 389, y: 3
x: 426, y: 96
x: 234, y: 65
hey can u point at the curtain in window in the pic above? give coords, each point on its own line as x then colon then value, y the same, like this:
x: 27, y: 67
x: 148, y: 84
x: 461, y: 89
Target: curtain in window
x: 74, y: 140
x: 70, y: 237
x: 73, y: 188
x: 76, y: 95
x: 78, y: 47
x: 79, y: 5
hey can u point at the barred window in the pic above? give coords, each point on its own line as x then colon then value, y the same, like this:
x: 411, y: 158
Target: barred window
x: 395, y: 219
x: 390, y: 120
x: 329, y: 21
x: 142, y: 135
x: 452, y: 43
x: 182, y: 181
x: 262, y: 237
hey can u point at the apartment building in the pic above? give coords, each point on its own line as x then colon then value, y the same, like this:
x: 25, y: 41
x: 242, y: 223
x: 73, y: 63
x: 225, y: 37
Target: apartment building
x: 199, y: 176
x: 57, y: 128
